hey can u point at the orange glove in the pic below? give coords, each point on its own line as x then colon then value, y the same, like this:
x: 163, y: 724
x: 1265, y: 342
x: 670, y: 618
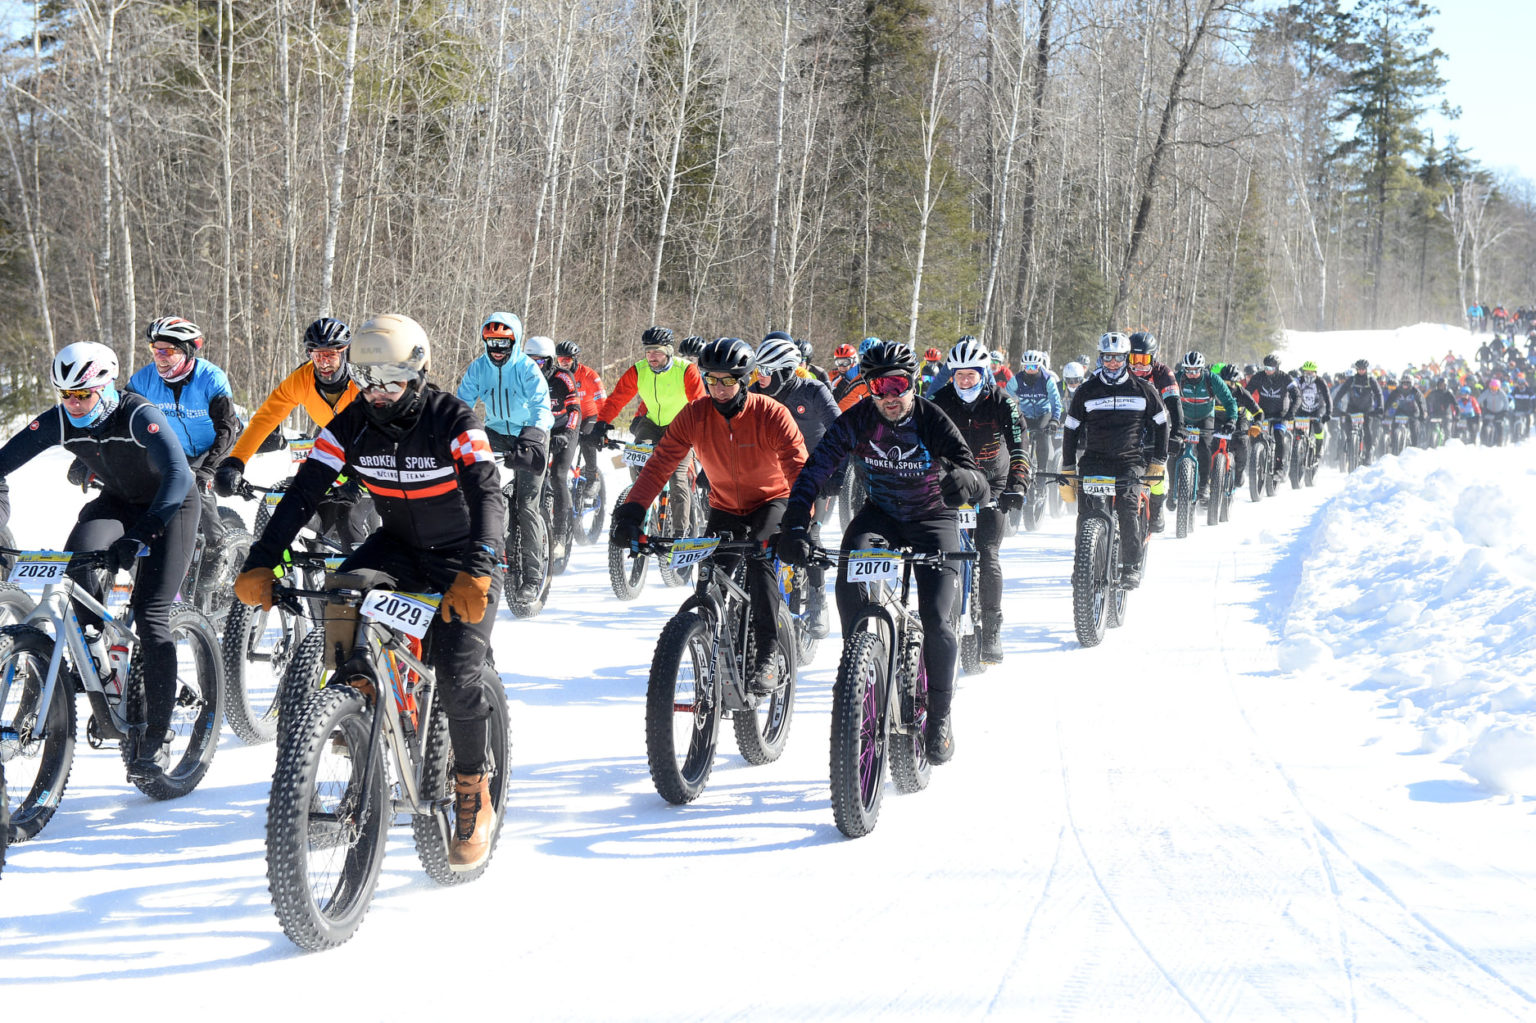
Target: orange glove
x: 1254, y: 429
x: 1068, y: 488
x: 254, y: 587
x: 466, y: 598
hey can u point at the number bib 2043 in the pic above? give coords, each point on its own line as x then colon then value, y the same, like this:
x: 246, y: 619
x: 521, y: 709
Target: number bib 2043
x: 1099, y: 486
x: 691, y: 551
x: 410, y: 613
x: 39, y: 567
x: 636, y: 455
x: 872, y: 566
x: 967, y: 514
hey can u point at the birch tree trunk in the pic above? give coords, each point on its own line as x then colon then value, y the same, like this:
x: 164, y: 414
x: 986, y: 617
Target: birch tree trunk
x: 339, y: 171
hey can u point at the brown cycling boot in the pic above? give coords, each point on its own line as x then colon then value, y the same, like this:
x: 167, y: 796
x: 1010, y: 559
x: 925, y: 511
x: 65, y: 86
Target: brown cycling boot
x: 474, y: 821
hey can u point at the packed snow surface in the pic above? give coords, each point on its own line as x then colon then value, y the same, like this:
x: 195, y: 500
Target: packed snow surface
x: 1336, y: 350
x: 1291, y: 787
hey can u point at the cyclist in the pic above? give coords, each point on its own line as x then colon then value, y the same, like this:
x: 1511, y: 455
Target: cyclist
x: 1247, y: 408
x: 992, y: 425
x: 1144, y: 364
x: 752, y: 450
x: 1202, y: 394
x: 1314, y: 402
x: 811, y: 406
x: 429, y: 464
x: 1072, y: 376
x: 1107, y: 429
x: 194, y: 394
x: 1039, y: 403
x: 1000, y: 371
x: 565, y: 408
x: 1277, y: 395
x: 1406, y: 402
x: 321, y: 387
x: 665, y: 385
x: 927, y: 375
x: 845, y: 370
x: 918, y: 470
x: 1440, y: 403
x: 1360, y: 393
x: 1496, y: 405
x: 589, y: 392
x: 806, y: 351
x: 860, y: 386
x: 517, y: 421
x: 146, y: 516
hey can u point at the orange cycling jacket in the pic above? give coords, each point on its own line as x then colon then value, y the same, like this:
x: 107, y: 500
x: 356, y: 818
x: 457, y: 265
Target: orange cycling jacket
x: 751, y: 458
x: 298, y: 388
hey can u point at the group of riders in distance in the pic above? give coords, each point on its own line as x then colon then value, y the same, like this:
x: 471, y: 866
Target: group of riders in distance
x: 378, y: 564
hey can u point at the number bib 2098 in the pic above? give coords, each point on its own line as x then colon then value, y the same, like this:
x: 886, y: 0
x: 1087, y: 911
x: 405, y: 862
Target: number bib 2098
x: 872, y: 566
x: 410, y: 613
x: 39, y: 567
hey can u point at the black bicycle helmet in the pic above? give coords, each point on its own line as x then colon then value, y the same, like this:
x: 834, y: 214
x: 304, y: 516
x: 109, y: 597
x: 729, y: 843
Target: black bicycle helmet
x: 1228, y: 372
x: 1361, y: 365
x: 888, y: 359
x: 327, y: 334
x: 656, y: 337
x: 729, y: 356
x: 1143, y: 342
x: 1272, y: 361
x: 567, y: 350
x: 806, y: 351
x: 690, y: 347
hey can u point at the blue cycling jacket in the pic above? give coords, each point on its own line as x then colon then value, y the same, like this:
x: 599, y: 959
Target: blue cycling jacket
x: 515, y: 393
x: 1036, y: 397
x: 196, y: 406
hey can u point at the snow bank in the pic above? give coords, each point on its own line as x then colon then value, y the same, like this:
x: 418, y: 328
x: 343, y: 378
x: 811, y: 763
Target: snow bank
x: 1335, y: 350
x: 1421, y: 585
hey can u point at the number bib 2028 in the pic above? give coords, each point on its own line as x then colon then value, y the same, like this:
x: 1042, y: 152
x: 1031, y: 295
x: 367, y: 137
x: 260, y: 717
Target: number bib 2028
x: 691, y: 551
x: 410, y: 613
x: 872, y: 566
x: 39, y: 567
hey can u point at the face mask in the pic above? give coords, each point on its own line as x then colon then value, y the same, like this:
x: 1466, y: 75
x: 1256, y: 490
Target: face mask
x: 969, y: 394
x: 101, y: 410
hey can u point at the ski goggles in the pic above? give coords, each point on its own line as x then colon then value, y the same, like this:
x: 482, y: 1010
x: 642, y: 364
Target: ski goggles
x: 841, y: 363
x: 77, y: 393
x: 1111, y: 359
x: 498, y: 344
x: 1141, y: 358
x: 890, y: 387
x: 389, y: 377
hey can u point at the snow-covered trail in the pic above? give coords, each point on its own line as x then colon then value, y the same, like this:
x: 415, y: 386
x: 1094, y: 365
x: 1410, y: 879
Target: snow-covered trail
x: 1164, y: 827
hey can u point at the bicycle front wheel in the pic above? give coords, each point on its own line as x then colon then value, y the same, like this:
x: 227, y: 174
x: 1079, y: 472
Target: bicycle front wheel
x: 1184, y: 493
x: 1090, y: 582
x: 682, y: 709
x: 37, y: 744
x: 325, y: 824
x: 860, y: 732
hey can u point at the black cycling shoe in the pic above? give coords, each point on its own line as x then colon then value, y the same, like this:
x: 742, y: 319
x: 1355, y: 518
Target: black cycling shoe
x: 940, y: 738
x: 1130, y: 577
x: 764, y: 678
x: 1157, y: 521
x: 147, y: 760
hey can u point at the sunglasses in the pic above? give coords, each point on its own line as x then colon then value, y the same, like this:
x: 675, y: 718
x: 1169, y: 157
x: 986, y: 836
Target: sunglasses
x: 391, y: 378
x: 1141, y: 358
x: 540, y: 360
x: 77, y: 394
x: 166, y: 350
x: 890, y: 387
x: 715, y: 380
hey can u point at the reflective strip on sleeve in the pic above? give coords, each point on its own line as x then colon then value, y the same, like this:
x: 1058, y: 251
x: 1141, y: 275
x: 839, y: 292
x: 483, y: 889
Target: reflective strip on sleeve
x: 327, y: 451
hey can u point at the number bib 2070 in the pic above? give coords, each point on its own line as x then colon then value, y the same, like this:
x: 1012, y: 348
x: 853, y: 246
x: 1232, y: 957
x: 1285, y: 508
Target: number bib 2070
x: 872, y: 566
x: 410, y: 613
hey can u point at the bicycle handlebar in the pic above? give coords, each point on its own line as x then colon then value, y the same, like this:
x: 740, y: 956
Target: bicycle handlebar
x: 81, y: 559
x: 828, y: 557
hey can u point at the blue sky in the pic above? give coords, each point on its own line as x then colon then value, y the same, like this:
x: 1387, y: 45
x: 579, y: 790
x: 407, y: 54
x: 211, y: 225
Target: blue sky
x: 1488, y: 75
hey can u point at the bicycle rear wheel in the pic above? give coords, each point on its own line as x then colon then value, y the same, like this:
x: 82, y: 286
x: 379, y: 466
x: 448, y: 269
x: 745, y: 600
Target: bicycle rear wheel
x: 910, y: 768
x: 37, y: 743
x: 198, y: 709
x: 625, y: 574
x: 258, y: 645
x: 325, y: 833
x: 682, y: 709
x: 859, y: 735
x: 763, y: 731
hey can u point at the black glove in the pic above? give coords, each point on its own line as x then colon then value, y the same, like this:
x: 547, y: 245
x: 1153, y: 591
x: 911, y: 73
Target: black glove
x: 1053, y: 428
x: 588, y: 426
x: 628, y: 524
x: 962, y: 486
x: 600, y: 430
x: 348, y: 492
x: 1010, y: 501
x: 78, y: 474
x: 794, y: 547
x: 228, y: 477
x: 123, y: 554
x: 530, y: 451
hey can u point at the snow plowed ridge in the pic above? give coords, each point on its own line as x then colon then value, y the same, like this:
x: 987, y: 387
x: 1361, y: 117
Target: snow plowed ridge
x: 1421, y: 584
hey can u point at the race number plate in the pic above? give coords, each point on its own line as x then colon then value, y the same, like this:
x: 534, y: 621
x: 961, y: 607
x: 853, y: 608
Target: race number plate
x: 39, y: 567
x: 636, y: 455
x: 872, y: 566
x: 299, y: 450
x: 273, y: 498
x: 967, y: 515
x: 691, y: 551
x: 1099, y: 486
x: 1303, y: 424
x: 410, y: 613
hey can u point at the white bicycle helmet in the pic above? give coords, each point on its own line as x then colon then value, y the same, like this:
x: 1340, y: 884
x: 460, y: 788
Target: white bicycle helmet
x: 968, y: 353
x: 777, y: 354
x: 82, y: 365
x: 539, y: 347
x: 1033, y: 359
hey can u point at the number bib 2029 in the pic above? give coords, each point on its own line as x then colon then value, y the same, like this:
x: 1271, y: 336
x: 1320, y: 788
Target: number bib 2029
x: 39, y: 567
x: 872, y: 566
x: 636, y: 455
x: 410, y: 613
x: 691, y: 551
